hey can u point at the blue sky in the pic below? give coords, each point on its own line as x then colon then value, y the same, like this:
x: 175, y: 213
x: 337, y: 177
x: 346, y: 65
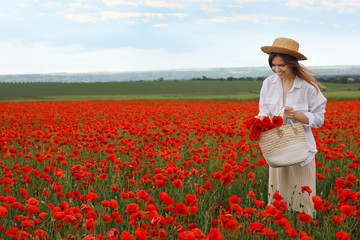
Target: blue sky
x: 49, y: 36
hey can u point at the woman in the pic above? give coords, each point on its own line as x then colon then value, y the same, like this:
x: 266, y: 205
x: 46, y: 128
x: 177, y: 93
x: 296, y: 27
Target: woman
x: 293, y: 88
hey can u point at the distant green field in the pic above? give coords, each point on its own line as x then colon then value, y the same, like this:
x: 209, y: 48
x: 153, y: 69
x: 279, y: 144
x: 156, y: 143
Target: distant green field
x: 155, y: 90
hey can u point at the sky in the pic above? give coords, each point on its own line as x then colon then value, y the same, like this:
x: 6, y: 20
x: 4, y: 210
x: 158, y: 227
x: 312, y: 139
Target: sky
x: 50, y: 36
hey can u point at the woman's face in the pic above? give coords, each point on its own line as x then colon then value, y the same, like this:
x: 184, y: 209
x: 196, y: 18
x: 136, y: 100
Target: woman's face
x: 281, y: 68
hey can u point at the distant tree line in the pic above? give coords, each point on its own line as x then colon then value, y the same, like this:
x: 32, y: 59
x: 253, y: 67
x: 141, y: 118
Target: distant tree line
x: 333, y: 79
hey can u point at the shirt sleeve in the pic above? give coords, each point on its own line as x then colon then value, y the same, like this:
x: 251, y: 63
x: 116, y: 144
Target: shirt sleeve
x: 263, y: 108
x: 317, y: 104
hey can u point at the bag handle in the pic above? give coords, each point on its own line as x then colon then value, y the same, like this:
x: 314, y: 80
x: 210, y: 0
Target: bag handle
x: 281, y: 114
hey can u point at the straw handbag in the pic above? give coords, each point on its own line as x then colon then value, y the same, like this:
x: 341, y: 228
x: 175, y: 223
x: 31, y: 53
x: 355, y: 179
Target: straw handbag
x: 284, y: 146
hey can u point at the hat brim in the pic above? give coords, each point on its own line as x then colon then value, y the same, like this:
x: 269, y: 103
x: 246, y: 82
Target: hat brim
x: 271, y: 49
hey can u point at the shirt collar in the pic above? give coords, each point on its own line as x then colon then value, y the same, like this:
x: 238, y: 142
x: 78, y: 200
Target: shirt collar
x: 297, y: 82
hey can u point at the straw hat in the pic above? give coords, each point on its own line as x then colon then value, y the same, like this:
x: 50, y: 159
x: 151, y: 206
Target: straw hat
x: 286, y: 46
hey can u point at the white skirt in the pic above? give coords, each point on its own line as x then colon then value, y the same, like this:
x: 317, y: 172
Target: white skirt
x: 287, y: 181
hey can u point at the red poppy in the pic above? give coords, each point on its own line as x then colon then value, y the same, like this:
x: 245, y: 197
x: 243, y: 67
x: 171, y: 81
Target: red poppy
x: 347, y: 210
x: 215, y: 234
x: 305, y: 217
x: 269, y: 233
x: 141, y: 234
x: 234, y: 199
x: 90, y: 224
x: 306, y: 189
x: 165, y: 199
x: 317, y: 203
x: 132, y: 208
x: 3, y: 212
x: 291, y: 232
x: 162, y: 233
x: 351, y: 178
x: 113, y: 205
x: 126, y: 236
x: 180, y: 208
x: 283, y: 222
x: 113, y: 232
x: 33, y: 209
x: 256, y: 227
x: 191, y: 200
x: 27, y: 224
x: 228, y: 178
x: 40, y: 234
x: 343, y: 236
x: 177, y: 183
x: 117, y: 217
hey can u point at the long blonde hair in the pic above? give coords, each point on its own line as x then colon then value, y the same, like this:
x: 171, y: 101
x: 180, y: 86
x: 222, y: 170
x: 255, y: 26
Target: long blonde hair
x: 298, y: 69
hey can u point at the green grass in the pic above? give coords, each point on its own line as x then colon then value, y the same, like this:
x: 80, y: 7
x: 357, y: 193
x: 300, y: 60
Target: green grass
x: 157, y: 90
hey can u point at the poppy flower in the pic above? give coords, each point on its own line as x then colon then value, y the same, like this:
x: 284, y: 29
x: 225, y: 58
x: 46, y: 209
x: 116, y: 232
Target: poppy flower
x: 113, y: 205
x: 306, y: 189
x: 162, y: 233
x: 132, y: 208
x: 282, y: 222
x: 228, y: 178
x: 269, y: 233
x: 33, y: 209
x: 317, y: 203
x: 3, y: 212
x: 117, y: 217
x: 186, y: 235
x: 180, y: 208
x: 256, y: 227
x: 126, y: 236
x: 347, y: 210
x: 191, y: 200
x: 165, y: 199
x: 27, y: 224
x: 291, y: 232
x: 342, y: 236
x: 234, y: 199
x: 90, y: 224
x: 277, y: 121
x: 351, y: 178
x: 141, y: 234
x: 177, y: 183
x: 305, y: 217
x: 215, y: 234
x: 113, y: 232
x: 40, y: 234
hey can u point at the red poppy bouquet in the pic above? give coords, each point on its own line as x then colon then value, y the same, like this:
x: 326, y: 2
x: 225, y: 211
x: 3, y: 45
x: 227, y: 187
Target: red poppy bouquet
x: 257, y: 126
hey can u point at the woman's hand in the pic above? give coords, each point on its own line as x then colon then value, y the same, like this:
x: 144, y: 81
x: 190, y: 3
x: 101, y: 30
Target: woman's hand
x: 290, y: 112
x: 298, y: 116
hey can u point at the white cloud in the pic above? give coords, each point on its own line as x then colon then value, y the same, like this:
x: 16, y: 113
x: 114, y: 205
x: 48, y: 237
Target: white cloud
x: 22, y: 3
x: 42, y: 15
x: 343, y: 6
x: 52, y: 5
x: 207, y: 9
x: 178, y: 15
x: 280, y: 19
x: 111, y: 3
x: 160, y: 25
x: 81, y: 17
x: 299, y: 3
x: 113, y: 15
x: 234, y: 17
x: 162, y: 4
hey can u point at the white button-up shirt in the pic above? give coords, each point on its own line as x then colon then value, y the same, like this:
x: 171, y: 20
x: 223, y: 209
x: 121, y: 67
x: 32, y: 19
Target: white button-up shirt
x: 303, y: 97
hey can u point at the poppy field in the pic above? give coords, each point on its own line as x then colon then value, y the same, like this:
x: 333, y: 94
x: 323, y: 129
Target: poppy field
x: 164, y: 170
